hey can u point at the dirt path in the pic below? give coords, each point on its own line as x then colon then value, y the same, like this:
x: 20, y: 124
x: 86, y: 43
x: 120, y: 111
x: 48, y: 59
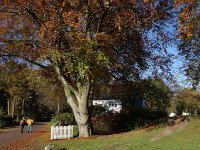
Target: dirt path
x: 13, y: 139
x: 174, y: 126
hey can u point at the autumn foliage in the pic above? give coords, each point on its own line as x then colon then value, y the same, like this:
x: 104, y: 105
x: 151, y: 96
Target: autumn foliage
x: 80, y: 42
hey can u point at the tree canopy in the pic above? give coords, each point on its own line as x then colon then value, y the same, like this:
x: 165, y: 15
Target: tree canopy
x: 187, y: 100
x: 189, y: 33
x: 80, y: 42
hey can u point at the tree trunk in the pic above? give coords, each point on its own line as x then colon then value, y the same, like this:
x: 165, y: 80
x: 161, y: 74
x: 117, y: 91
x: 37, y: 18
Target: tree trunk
x: 8, y: 107
x: 83, y: 125
x: 13, y: 109
x: 195, y: 112
x: 79, y: 105
x: 23, y: 107
x: 58, y: 108
x: 77, y: 98
x: 186, y: 110
x: 82, y: 118
x: 17, y: 116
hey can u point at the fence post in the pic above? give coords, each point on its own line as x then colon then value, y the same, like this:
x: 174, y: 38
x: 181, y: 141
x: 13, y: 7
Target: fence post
x: 52, y: 132
x: 68, y: 132
x: 72, y: 131
x: 61, y: 131
x: 57, y: 132
x: 65, y: 131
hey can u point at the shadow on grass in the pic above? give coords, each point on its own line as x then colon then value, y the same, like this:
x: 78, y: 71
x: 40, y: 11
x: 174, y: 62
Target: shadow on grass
x: 165, y: 122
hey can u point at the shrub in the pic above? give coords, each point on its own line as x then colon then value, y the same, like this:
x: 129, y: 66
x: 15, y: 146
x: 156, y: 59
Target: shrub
x: 104, y: 124
x: 98, y: 110
x: 2, y: 122
x: 1, y: 112
x: 6, y: 121
x: 63, y: 119
x: 128, y: 119
x: 134, y: 117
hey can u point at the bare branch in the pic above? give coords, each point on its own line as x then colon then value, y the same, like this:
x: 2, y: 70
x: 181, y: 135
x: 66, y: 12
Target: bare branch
x: 11, y: 12
x: 36, y: 18
x: 35, y: 63
x: 61, y: 9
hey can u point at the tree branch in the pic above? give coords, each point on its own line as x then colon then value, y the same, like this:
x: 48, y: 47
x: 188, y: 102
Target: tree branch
x: 101, y: 21
x: 35, y: 63
x: 36, y: 18
x: 11, y: 12
x: 9, y: 55
x: 64, y: 81
x: 61, y: 9
x: 12, y: 41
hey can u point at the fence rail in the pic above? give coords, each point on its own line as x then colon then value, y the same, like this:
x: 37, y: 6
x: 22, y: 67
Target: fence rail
x: 61, y: 132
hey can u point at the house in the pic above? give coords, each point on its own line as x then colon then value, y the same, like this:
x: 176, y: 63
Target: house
x: 172, y: 114
x: 112, y: 105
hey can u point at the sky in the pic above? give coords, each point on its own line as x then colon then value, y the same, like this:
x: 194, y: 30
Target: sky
x: 176, y: 68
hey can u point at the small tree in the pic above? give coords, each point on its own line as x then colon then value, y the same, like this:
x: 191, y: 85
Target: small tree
x: 18, y: 84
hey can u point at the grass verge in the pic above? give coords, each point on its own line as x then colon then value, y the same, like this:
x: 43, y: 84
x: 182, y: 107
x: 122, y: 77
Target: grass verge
x: 188, y: 138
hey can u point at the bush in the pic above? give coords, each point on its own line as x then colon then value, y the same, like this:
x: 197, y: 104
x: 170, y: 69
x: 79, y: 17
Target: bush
x: 134, y: 117
x: 1, y: 112
x: 98, y: 110
x: 2, y: 123
x: 130, y: 118
x: 104, y: 124
x: 63, y: 119
x: 6, y: 121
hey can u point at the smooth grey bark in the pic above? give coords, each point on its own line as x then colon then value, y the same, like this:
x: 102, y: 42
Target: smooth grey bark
x: 78, y: 98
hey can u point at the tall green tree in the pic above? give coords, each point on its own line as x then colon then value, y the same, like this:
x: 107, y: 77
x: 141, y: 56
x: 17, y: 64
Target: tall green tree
x: 157, y: 94
x: 81, y: 41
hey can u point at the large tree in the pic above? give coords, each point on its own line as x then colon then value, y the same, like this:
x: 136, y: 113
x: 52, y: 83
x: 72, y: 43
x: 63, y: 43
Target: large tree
x: 81, y: 41
x: 189, y: 33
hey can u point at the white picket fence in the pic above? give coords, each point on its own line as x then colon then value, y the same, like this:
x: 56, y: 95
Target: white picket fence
x: 61, y: 132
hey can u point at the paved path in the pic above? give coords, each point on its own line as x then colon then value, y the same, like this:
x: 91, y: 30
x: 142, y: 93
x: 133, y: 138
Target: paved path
x: 13, y: 136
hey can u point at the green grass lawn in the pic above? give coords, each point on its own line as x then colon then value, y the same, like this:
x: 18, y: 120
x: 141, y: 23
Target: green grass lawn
x: 187, y: 138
